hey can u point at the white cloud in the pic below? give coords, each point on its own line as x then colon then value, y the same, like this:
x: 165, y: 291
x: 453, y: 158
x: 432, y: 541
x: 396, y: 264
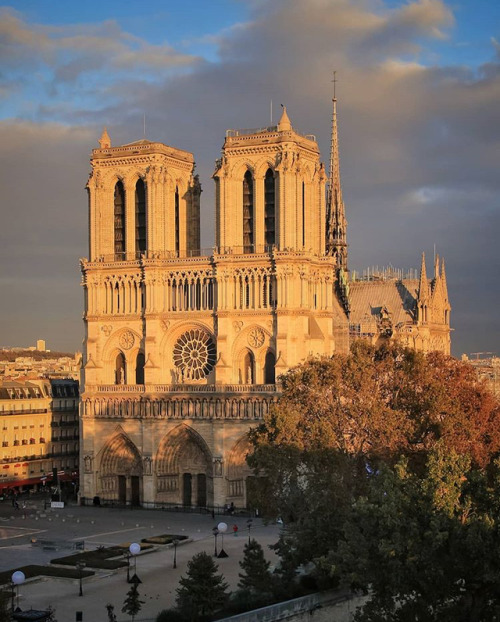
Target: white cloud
x: 419, y: 143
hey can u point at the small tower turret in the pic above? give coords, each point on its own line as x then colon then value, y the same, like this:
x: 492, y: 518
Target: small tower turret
x: 105, y: 140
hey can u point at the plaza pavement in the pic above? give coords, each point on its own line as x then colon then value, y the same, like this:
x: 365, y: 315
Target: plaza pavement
x: 106, y: 526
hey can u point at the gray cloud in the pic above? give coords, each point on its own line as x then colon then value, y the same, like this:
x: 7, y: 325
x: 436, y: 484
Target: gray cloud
x: 419, y: 144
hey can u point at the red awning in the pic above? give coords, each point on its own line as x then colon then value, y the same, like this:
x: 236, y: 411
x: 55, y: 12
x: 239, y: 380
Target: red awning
x: 19, y: 482
x: 65, y: 477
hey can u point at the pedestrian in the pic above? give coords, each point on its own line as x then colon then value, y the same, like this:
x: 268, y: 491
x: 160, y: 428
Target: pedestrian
x: 235, y: 530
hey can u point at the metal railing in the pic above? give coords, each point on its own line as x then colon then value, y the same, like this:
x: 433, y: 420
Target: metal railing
x: 184, y: 388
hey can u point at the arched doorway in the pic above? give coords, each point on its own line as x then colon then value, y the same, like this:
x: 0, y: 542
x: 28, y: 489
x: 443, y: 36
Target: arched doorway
x: 121, y: 472
x: 184, y: 469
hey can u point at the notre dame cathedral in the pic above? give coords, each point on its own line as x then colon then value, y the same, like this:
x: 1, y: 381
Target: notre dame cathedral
x: 183, y: 348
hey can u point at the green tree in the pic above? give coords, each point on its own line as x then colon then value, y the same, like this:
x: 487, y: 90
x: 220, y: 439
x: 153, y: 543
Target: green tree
x: 255, y: 576
x: 425, y: 548
x: 343, y: 421
x: 202, y: 591
x: 132, y: 603
x: 4, y: 607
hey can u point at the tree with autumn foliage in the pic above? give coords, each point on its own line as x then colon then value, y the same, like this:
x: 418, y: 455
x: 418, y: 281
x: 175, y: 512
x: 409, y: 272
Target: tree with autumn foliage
x: 342, y: 420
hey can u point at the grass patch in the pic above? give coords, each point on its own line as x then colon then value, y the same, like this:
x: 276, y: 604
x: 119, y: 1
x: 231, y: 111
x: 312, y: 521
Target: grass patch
x: 99, y: 558
x: 47, y: 571
x: 163, y: 539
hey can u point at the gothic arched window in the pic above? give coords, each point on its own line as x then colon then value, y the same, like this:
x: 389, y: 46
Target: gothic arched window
x: 269, y: 368
x: 176, y: 216
x: 120, y: 369
x: 139, y: 369
x: 119, y: 203
x: 248, y: 235
x: 269, y: 208
x: 303, y: 214
x: 140, y: 217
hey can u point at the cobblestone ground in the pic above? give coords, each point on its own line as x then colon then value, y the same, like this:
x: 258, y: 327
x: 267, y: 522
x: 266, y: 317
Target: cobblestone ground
x: 105, y: 526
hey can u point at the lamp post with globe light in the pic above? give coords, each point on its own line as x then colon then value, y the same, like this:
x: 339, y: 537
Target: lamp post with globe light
x: 127, y: 556
x: 215, y: 531
x: 135, y: 549
x: 175, y: 543
x: 222, y: 527
x: 80, y: 566
x: 249, y: 525
x: 17, y: 579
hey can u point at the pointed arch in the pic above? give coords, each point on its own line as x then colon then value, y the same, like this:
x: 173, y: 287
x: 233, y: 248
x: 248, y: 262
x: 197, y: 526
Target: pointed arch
x: 177, y: 219
x: 120, y: 472
x: 247, y: 367
x: 120, y: 456
x: 270, y: 368
x: 139, y: 368
x: 119, y: 223
x: 180, y: 446
x: 248, y: 213
x: 120, y: 369
x: 140, y: 217
x: 184, y: 468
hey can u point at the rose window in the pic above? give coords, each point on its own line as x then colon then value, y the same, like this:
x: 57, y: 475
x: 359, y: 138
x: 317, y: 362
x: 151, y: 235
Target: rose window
x: 194, y: 354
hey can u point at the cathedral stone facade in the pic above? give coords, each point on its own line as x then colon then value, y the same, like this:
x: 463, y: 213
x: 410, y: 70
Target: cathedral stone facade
x: 182, y: 349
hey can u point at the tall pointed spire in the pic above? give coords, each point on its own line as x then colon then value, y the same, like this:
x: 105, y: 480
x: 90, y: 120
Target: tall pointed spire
x: 423, y: 284
x: 336, y: 223
x: 443, y: 277
x: 436, y: 267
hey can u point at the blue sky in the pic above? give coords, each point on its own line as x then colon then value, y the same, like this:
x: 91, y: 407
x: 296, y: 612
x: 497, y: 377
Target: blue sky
x: 419, y: 93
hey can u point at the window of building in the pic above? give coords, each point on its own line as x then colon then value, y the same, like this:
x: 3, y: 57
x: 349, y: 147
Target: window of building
x: 269, y: 208
x: 248, y: 208
x: 120, y: 369
x: 303, y: 214
x: 140, y: 217
x: 119, y: 203
x: 247, y: 373
x: 269, y: 368
x: 177, y: 224
x: 139, y: 369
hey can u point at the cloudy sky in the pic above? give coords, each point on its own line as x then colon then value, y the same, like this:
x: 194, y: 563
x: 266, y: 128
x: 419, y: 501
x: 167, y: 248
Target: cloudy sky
x: 419, y: 106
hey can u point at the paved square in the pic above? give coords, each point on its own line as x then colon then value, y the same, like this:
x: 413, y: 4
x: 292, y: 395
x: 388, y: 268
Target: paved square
x: 106, y: 526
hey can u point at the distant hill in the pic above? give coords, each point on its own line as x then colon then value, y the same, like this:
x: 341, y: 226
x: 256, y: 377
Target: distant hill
x: 11, y: 355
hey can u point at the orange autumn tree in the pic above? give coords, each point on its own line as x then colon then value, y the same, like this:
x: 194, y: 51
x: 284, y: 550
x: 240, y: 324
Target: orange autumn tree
x: 340, y: 418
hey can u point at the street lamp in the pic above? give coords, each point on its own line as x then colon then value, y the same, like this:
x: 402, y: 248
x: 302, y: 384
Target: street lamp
x: 80, y: 566
x: 175, y: 543
x: 249, y: 525
x: 127, y: 556
x: 135, y: 549
x: 222, y: 527
x: 215, y: 531
x: 17, y: 579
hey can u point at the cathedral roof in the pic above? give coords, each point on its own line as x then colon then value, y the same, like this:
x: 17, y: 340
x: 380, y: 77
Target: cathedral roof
x: 369, y: 298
